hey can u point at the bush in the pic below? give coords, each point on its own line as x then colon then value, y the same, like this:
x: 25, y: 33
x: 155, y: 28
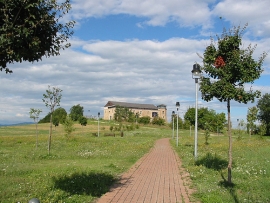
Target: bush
x: 158, y: 121
x: 144, y: 120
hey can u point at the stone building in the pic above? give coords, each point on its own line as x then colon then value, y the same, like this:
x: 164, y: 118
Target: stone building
x: 141, y: 109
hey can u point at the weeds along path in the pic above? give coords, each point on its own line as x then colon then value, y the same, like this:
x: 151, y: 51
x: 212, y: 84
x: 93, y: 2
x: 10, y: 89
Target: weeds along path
x: 156, y: 177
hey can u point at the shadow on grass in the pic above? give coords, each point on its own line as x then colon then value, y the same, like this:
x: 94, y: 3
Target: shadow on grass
x: 212, y: 162
x: 94, y: 184
x: 230, y: 187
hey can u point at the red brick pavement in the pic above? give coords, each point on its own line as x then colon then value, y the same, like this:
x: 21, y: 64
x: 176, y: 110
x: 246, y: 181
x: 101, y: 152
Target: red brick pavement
x: 156, y: 178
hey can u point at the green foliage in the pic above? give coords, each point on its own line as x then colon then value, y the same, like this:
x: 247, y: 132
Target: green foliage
x: 52, y: 99
x: 251, y: 118
x: 263, y: 106
x: 34, y: 114
x: 61, y: 114
x: 83, y: 120
x: 30, y: 30
x: 180, y: 122
x: 68, y: 126
x: 123, y: 114
x: 144, y: 120
x: 207, y: 119
x: 111, y: 128
x: 55, y: 121
x: 206, y: 135
x: 227, y: 68
x: 76, y: 112
x: 158, y: 121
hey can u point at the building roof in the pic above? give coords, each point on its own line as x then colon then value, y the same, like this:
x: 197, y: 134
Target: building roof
x: 131, y: 105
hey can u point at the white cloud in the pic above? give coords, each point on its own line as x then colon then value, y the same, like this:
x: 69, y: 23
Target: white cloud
x: 158, y: 13
x: 253, y: 12
x: 146, y: 71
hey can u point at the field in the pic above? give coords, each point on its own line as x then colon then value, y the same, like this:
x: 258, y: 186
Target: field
x: 82, y: 167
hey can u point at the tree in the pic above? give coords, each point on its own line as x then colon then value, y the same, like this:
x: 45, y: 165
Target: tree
x: 83, y: 121
x: 55, y: 121
x: 124, y: 114
x: 68, y: 126
x: 52, y: 99
x: 227, y: 69
x: 30, y: 30
x: 76, y: 112
x: 59, y: 116
x: 207, y: 119
x: 180, y: 121
x: 251, y: 118
x: 34, y: 114
x: 264, y: 111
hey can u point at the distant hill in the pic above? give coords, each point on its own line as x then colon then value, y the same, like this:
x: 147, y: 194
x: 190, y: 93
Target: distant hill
x: 17, y: 124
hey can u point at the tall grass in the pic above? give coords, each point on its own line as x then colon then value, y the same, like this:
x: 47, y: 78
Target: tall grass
x: 78, y: 169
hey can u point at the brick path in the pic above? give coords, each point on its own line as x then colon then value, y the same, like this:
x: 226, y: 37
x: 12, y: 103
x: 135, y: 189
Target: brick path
x: 156, y: 178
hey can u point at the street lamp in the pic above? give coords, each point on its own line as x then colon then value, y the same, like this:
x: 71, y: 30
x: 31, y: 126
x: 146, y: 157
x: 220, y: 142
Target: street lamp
x: 177, y: 108
x: 196, y: 74
x: 98, y: 123
x: 173, y: 114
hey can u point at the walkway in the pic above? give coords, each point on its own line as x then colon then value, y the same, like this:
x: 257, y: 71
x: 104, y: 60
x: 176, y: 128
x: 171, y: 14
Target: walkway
x: 155, y: 178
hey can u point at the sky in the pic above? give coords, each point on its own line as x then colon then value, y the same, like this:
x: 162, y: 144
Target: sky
x: 136, y: 51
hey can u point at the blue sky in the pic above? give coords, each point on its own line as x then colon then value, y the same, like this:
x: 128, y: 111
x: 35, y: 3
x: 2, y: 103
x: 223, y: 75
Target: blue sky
x: 135, y: 51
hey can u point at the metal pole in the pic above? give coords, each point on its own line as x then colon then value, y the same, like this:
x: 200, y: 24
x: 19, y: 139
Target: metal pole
x: 173, y: 128
x: 98, y: 123
x: 177, y: 129
x: 196, y: 120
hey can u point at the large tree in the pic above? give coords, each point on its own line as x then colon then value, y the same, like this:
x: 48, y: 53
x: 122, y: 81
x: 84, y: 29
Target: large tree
x: 207, y: 119
x: 124, y: 114
x: 264, y: 111
x: 227, y: 67
x: 52, y: 99
x: 31, y: 29
x: 76, y: 112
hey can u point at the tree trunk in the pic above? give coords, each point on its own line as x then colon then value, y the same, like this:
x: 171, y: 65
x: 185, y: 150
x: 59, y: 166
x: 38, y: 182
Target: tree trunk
x: 36, y: 136
x: 230, y: 143
x: 50, y: 135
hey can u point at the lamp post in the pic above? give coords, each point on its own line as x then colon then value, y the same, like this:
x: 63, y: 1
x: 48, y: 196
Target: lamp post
x: 173, y: 113
x: 98, y: 123
x: 196, y: 74
x: 177, y: 108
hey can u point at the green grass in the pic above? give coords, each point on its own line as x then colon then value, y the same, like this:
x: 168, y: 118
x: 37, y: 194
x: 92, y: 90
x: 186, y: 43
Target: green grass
x: 78, y: 169
x: 250, y: 172
x: 83, y: 167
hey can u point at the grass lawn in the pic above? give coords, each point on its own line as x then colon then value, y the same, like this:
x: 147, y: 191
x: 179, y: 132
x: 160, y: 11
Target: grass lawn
x: 250, y: 172
x: 82, y: 167
x: 78, y: 169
